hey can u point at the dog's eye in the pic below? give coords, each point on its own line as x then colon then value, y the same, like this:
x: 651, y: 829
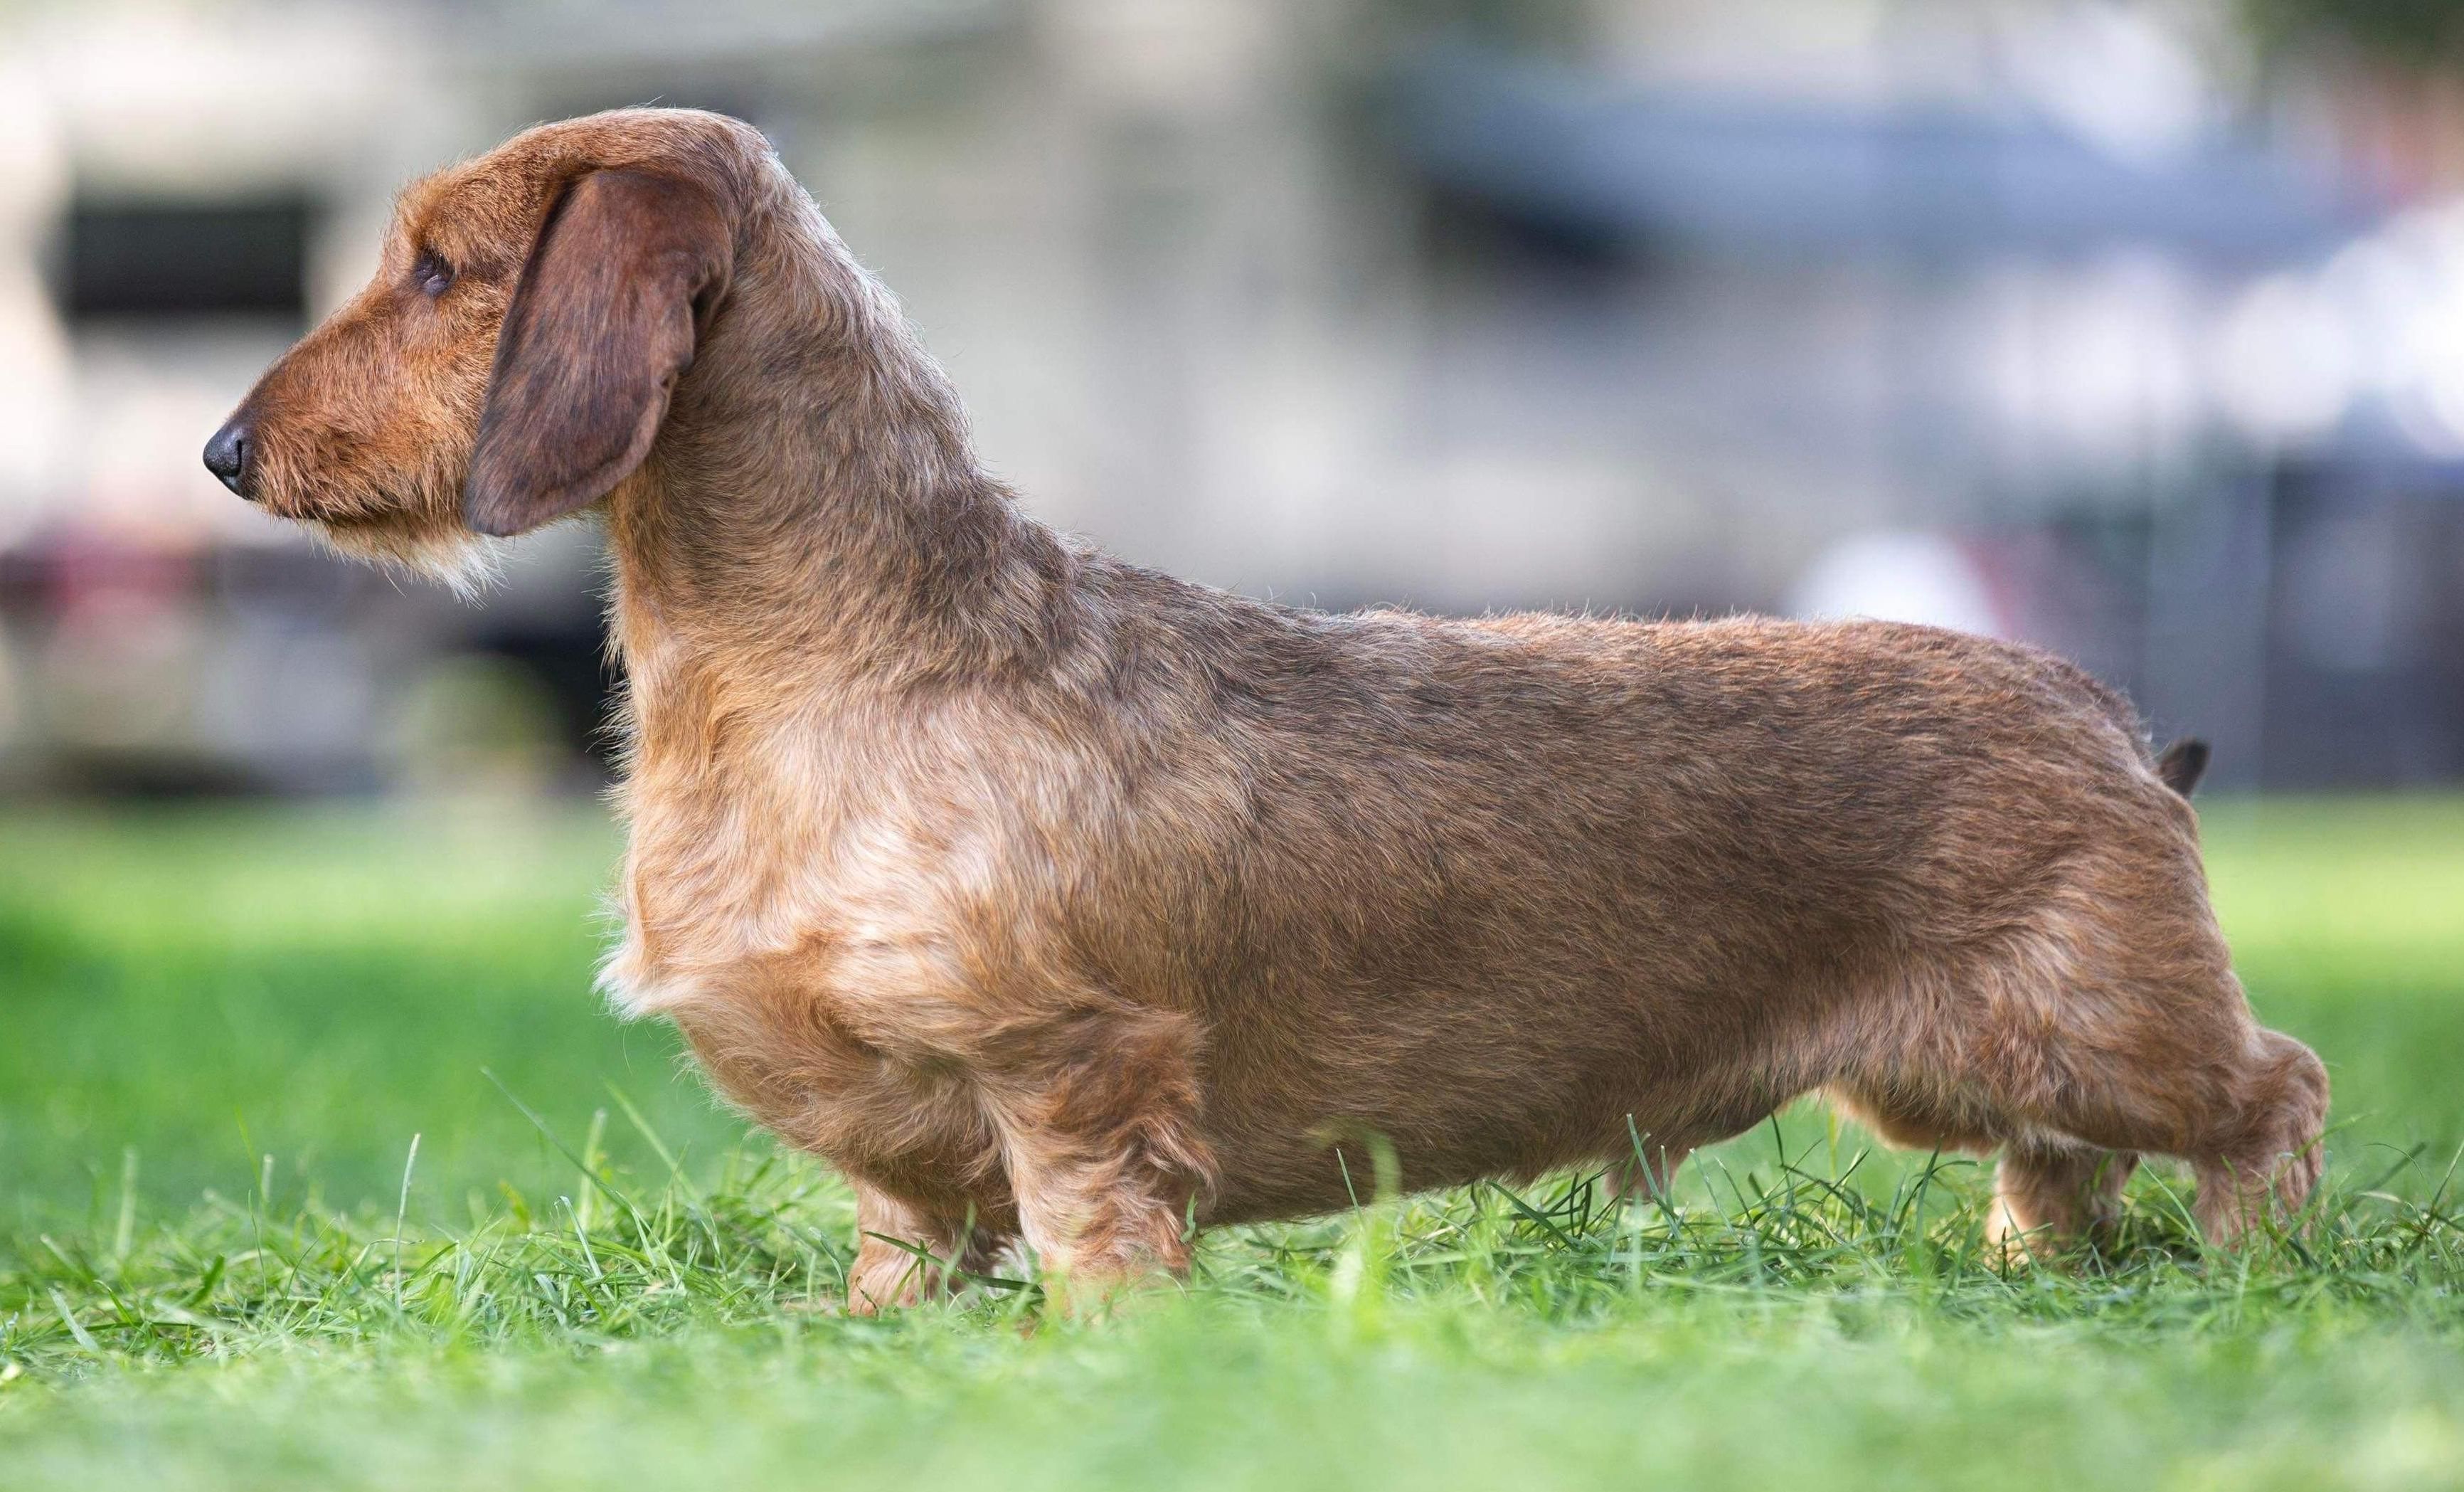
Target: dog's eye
x: 430, y: 273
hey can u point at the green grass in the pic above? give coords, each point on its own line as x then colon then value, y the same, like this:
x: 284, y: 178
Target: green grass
x: 223, y: 1028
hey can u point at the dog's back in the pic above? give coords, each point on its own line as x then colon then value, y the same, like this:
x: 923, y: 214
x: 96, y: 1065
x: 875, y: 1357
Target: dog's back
x: 1489, y: 889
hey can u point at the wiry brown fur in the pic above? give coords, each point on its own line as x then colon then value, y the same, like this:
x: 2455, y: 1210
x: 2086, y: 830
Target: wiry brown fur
x: 1054, y: 898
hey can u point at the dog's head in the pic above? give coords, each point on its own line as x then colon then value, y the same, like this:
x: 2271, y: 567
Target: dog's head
x: 513, y: 359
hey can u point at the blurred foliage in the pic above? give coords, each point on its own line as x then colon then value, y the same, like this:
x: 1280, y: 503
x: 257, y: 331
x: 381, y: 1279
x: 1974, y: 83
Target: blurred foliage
x: 1531, y: 26
x: 2410, y: 32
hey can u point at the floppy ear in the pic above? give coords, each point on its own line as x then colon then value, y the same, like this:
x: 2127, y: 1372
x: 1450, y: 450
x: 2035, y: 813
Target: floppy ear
x: 601, y: 323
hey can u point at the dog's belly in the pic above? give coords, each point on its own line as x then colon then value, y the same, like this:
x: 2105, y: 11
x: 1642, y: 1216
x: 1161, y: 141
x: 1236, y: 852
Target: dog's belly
x: 1261, y: 1180
x: 1514, y: 1084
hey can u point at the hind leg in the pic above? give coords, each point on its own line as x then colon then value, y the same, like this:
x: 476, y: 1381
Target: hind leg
x: 2155, y: 1047
x: 2049, y: 1194
x: 2261, y: 1159
x: 2247, y: 1119
x: 2119, y: 1031
x: 2168, y: 1072
x: 2243, y: 1105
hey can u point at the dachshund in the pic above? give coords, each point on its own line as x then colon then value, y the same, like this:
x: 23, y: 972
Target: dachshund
x: 1061, y: 903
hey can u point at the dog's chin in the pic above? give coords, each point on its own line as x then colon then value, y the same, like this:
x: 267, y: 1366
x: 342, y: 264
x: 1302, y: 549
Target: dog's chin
x: 444, y: 552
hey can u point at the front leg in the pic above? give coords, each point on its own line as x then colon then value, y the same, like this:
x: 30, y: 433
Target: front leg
x: 888, y: 1272
x: 1097, y: 1112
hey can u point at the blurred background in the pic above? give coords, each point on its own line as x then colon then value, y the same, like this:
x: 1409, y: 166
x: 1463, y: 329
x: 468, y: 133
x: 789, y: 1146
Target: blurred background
x: 2133, y: 329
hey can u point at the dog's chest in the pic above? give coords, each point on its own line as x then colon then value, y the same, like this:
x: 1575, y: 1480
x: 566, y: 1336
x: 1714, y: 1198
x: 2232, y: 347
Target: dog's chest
x: 865, y: 907
x: 847, y: 916
x: 844, y: 860
x: 818, y: 948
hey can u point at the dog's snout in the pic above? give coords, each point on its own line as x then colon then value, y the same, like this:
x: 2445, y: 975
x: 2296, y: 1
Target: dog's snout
x: 226, y: 455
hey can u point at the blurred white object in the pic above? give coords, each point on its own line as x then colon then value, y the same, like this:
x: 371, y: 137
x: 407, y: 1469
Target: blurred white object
x: 2117, y: 75
x: 34, y: 350
x: 2382, y: 323
x: 1898, y: 577
x: 2286, y: 364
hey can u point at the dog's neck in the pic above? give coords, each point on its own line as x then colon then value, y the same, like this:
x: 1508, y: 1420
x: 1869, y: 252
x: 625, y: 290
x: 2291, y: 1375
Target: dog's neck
x: 813, y: 509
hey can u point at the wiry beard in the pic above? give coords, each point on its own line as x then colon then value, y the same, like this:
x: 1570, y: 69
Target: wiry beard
x: 450, y: 555
x: 413, y: 527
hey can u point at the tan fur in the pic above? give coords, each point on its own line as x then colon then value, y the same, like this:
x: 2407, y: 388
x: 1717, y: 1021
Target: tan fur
x: 1050, y: 896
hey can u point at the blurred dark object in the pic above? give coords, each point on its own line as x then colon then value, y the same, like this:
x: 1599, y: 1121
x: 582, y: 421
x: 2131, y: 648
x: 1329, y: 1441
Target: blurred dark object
x: 179, y: 258
x: 1734, y: 173
x: 2364, y: 623
x: 150, y: 670
x: 2406, y: 33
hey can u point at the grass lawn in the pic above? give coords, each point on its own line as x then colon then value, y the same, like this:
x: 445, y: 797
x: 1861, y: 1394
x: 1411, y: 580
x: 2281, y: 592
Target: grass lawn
x: 221, y: 1264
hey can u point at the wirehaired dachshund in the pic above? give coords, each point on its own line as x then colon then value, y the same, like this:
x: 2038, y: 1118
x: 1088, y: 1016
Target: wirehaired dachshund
x: 1056, y: 900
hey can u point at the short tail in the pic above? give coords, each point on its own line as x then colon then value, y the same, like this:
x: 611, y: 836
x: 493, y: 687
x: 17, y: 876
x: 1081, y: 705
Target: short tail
x: 2184, y: 763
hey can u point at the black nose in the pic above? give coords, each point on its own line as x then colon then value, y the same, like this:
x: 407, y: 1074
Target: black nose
x: 227, y: 457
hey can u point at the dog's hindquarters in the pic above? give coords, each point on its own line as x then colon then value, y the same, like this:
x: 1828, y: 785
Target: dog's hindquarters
x: 2110, y: 1026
